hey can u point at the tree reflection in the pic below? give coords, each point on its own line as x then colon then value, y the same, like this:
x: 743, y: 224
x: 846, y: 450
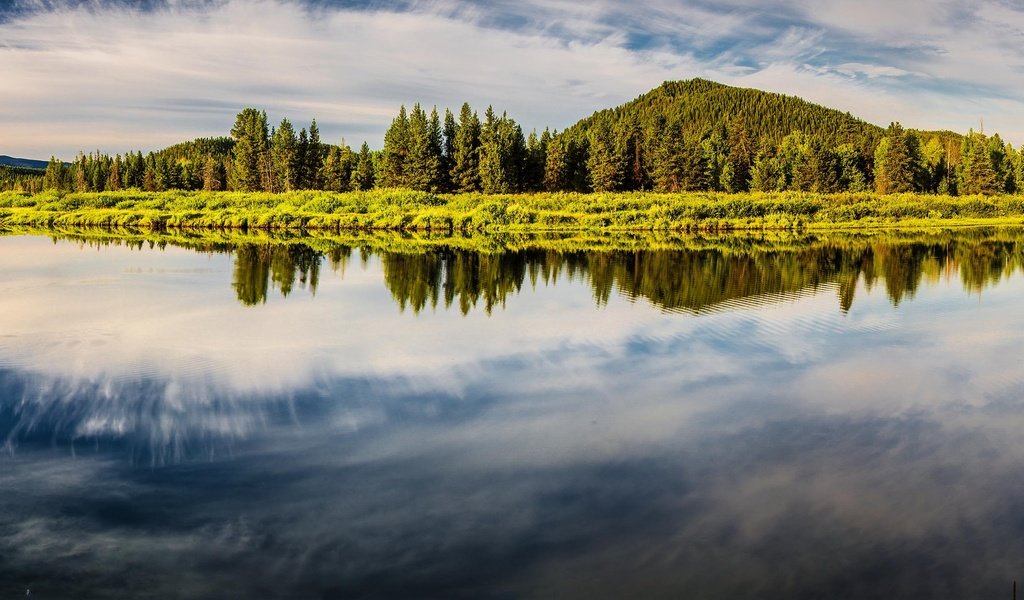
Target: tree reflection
x: 691, y: 274
x: 256, y: 266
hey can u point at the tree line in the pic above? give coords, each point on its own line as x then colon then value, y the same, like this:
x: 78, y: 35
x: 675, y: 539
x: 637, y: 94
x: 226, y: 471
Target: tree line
x: 694, y: 136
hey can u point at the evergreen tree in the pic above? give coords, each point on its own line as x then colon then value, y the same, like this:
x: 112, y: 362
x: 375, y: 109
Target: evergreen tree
x: 714, y: 150
x: 347, y: 164
x: 556, y: 166
x: 314, y: 158
x: 56, y: 176
x: 978, y: 174
x: 114, y: 183
x: 740, y: 159
x: 363, y: 174
x: 423, y: 162
x: 396, y: 152
x: 671, y: 160
x: 134, y: 172
x: 451, y: 131
x: 629, y: 146
x: 898, y: 161
x: 250, y: 151
x: 492, y: 178
x: 150, y: 180
x: 512, y: 154
x: 284, y: 151
x: 302, y: 161
x: 1018, y: 169
x: 536, y: 160
x: 998, y: 153
x: 330, y: 173
x: 465, y: 170
x: 213, y: 174
x: 604, y: 163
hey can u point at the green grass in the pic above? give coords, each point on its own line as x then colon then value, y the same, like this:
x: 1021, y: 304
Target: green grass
x: 732, y: 243
x: 404, y: 210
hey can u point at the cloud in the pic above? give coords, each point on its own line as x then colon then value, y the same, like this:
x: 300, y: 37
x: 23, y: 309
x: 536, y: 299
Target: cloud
x: 118, y: 79
x: 115, y: 75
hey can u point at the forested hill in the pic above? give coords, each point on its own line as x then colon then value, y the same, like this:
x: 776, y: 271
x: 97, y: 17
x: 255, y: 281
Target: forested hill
x: 700, y: 107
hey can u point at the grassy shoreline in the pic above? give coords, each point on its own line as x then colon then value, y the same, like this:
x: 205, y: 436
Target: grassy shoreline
x: 727, y: 243
x: 410, y: 211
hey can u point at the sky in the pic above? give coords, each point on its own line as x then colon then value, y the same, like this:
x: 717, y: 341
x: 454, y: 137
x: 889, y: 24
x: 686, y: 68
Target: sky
x: 114, y: 75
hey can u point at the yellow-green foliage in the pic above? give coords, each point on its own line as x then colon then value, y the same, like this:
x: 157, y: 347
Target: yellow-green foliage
x: 405, y: 210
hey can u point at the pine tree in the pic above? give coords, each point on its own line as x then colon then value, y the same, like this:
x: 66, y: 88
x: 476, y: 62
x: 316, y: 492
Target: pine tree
x: 55, y: 177
x: 670, y: 159
x: 629, y: 146
x: 512, y: 152
x: 250, y: 151
x: 556, y: 166
x: 451, y: 131
x: 978, y: 175
x: 314, y: 158
x: 715, y: 150
x: 897, y: 161
x: 330, y: 173
x: 302, y: 161
x: 740, y: 159
x: 423, y: 162
x: 604, y: 163
x: 284, y: 151
x: 465, y: 170
x: 396, y: 152
x: 363, y: 175
x: 114, y: 182
x: 213, y: 174
x: 150, y: 182
x: 536, y: 159
x: 347, y: 164
x: 492, y: 178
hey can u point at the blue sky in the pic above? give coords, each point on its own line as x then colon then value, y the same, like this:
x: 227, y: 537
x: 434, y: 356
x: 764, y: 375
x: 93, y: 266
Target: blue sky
x: 113, y: 75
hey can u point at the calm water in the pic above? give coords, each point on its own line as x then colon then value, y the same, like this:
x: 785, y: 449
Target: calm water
x: 725, y: 418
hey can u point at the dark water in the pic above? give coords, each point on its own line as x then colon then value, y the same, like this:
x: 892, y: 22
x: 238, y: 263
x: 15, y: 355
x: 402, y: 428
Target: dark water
x: 812, y: 417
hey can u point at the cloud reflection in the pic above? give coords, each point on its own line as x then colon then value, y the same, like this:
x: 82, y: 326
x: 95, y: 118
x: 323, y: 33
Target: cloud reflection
x: 559, y: 447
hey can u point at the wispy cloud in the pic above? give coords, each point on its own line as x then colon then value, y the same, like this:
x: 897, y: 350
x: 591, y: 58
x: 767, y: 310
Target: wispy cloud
x: 102, y: 74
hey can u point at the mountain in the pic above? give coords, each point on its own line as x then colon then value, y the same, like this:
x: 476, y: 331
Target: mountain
x: 24, y: 163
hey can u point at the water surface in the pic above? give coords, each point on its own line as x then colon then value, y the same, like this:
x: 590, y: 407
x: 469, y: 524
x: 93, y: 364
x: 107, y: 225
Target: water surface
x: 804, y: 417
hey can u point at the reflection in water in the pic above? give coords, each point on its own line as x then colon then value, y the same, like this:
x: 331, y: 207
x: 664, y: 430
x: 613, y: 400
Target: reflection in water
x: 686, y: 279
x: 256, y: 266
x: 169, y: 436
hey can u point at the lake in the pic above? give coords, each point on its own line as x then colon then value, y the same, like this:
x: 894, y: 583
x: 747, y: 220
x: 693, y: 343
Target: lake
x: 786, y: 416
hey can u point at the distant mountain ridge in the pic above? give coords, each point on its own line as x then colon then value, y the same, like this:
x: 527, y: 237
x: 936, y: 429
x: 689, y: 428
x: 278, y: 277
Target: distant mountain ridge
x: 22, y: 163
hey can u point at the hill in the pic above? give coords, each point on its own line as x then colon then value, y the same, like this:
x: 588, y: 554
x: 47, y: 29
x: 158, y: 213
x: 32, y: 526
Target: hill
x: 700, y: 107
x: 24, y: 163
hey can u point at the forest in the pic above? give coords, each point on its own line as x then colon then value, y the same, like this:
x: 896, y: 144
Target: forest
x: 685, y: 136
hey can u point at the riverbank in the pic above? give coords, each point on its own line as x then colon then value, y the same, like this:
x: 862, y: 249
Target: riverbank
x: 740, y: 243
x: 409, y: 211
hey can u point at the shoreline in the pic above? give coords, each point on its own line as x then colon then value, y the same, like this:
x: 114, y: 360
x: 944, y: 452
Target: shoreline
x: 410, y: 211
